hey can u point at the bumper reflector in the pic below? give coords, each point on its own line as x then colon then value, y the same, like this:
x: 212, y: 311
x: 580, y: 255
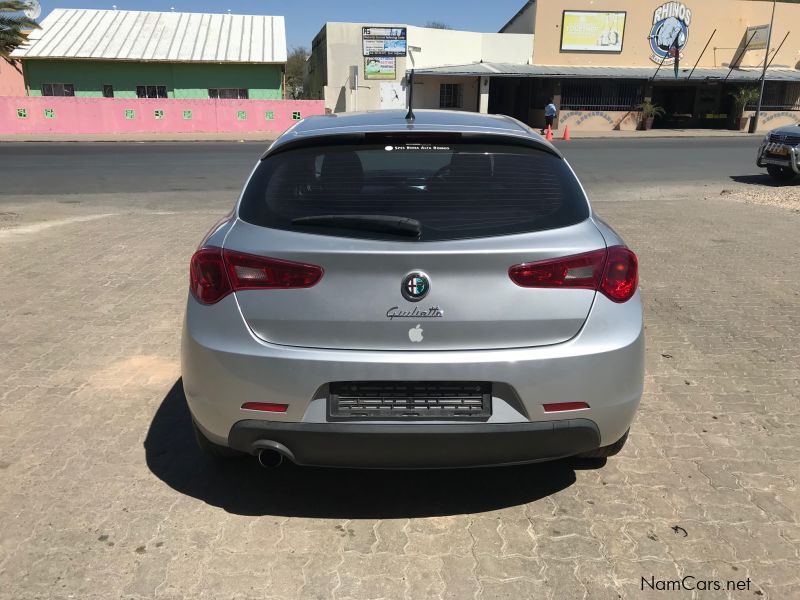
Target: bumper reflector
x: 564, y: 406
x: 265, y: 407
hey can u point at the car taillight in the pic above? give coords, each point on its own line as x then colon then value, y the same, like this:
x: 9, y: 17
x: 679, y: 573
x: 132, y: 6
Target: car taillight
x: 578, y: 271
x: 207, y: 277
x: 621, y: 275
x: 612, y: 271
x: 215, y: 273
x: 249, y: 272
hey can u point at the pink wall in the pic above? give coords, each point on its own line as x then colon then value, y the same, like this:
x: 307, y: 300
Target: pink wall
x: 12, y: 83
x: 107, y: 115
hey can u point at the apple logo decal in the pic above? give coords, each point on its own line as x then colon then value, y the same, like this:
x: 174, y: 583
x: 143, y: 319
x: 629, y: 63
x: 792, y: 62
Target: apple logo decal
x: 415, y: 334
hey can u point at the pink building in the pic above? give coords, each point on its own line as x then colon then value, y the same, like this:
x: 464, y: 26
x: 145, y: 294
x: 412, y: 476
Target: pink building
x: 11, y: 81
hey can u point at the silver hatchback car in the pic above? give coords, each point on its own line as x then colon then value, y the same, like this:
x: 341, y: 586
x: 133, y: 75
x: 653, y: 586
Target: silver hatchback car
x: 426, y: 293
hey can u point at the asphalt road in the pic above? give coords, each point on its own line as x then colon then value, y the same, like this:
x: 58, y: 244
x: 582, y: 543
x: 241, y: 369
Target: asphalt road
x: 44, y: 169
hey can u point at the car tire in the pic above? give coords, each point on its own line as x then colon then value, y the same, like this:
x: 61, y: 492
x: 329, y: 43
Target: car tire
x: 607, y: 451
x: 779, y: 173
x: 211, y: 449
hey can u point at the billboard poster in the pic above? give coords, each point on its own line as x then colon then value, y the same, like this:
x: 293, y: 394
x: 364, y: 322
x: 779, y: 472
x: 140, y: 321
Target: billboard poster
x: 586, y: 31
x: 380, y: 67
x: 384, y: 41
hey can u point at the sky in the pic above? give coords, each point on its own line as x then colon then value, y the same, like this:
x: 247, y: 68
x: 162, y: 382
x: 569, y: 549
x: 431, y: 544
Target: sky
x: 304, y: 18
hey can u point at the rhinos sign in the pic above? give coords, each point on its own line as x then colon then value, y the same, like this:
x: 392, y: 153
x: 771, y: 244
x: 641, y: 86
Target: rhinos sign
x: 670, y: 21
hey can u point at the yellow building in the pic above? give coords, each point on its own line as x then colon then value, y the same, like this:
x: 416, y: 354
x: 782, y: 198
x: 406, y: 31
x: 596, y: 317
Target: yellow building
x: 600, y: 63
x: 597, y: 61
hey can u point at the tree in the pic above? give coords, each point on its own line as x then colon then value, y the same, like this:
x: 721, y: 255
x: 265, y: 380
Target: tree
x: 295, y: 72
x: 437, y: 25
x: 12, y: 25
x: 743, y: 97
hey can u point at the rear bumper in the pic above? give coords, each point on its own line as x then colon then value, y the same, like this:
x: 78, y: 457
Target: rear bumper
x: 416, y: 446
x: 225, y: 365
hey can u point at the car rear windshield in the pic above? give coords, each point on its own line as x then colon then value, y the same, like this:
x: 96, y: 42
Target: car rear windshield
x: 447, y: 190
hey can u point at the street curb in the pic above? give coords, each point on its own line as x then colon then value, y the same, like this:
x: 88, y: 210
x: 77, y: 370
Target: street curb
x: 235, y: 139
x: 66, y: 139
x: 575, y: 137
x: 158, y: 141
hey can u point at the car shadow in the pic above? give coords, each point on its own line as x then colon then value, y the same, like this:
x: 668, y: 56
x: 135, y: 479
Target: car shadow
x: 762, y: 179
x: 243, y: 487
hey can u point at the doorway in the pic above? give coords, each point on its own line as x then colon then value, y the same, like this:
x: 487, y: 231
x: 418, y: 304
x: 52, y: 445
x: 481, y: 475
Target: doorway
x: 509, y: 96
x: 678, y: 102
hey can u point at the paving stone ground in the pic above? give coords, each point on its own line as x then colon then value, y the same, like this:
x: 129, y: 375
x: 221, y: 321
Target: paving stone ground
x: 104, y: 494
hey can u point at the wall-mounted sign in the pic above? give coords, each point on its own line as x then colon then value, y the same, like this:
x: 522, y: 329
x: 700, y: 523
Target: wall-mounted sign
x: 384, y: 41
x: 585, y: 31
x: 380, y: 67
x: 757, y: 36
x: 671, y: 22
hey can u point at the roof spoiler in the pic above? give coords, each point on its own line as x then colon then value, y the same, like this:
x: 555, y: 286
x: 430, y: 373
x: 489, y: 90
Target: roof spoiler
x: 381, y: 137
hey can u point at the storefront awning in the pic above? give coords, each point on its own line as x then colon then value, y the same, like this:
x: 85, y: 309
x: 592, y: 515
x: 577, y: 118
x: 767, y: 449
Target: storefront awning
x: 666, y: 73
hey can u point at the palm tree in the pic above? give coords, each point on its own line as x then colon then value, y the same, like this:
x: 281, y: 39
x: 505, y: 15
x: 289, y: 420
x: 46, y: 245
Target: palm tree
x: 12, y: 24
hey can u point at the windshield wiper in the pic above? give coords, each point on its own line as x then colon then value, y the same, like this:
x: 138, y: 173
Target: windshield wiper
x: 379, y: 223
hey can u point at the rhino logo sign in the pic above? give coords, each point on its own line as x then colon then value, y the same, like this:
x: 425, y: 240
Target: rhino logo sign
x: 671, y: 22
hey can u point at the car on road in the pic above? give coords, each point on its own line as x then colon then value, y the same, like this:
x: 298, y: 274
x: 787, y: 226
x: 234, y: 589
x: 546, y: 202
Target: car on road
x: 779, y: 152
x: 426, y: 292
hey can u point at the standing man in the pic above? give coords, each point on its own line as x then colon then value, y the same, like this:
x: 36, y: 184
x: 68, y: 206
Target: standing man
x: 549, y: 115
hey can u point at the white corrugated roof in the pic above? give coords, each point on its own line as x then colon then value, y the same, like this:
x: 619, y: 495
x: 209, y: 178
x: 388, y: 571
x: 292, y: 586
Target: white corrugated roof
x: 596, y: 72
x: 157, y: 36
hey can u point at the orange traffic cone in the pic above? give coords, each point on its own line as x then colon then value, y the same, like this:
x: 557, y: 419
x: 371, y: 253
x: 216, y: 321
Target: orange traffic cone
x: 549, y: 135
x: 566, y: 133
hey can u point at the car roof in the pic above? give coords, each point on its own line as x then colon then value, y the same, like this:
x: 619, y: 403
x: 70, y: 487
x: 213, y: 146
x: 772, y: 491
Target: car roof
x: 394, y: 121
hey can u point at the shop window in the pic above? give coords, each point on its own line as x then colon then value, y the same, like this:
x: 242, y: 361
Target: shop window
x: 58, y: 89
x: 108, y: 91
x: 779, y: 95
x: 590, y: 94
x: 229, y: 93
x: 151, y: 91
x: 450, y: 95
x: 792, y: 96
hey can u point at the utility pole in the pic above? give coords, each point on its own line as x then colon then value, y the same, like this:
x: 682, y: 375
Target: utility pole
x: 754, y: 124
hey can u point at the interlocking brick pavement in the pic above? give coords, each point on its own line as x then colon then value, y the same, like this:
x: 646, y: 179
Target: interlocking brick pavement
x: 105, y: 496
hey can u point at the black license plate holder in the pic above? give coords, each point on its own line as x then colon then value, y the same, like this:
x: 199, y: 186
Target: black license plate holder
x: 409, y: 401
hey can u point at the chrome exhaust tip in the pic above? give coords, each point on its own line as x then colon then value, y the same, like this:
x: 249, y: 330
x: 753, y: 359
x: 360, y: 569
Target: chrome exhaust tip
x: 269, y: 458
